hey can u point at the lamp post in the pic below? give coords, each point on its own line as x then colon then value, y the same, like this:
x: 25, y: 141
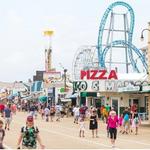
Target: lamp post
x: 148, y: 54
x: 65, y: 77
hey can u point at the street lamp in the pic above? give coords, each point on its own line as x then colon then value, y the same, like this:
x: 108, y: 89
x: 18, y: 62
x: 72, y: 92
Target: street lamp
x: 148, y: 54
x: 65, y: 77
x: 142, y: 36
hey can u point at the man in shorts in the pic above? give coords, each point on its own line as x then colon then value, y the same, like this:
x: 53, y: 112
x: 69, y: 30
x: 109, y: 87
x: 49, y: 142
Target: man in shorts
x: 8, y: 117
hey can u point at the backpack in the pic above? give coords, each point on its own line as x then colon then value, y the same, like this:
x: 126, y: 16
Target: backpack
x: 29, y: 136
x: 136, y: 120
x: 126, y: 117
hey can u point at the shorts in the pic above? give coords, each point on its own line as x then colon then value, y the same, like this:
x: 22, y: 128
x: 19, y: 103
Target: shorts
x: 126, y: 123
x: 27, y: 147
x: 47, y: 115
x: 113, y: 133
x: 7, y: 120
x: 52, y: 114
x: 58, y: 114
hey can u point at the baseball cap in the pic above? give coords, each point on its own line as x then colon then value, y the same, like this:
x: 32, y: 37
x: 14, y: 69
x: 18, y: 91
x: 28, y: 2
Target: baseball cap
x: 112, y: 112
x: 30, y: 118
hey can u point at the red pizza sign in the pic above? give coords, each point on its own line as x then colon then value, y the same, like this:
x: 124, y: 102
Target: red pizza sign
x: 98, y: 74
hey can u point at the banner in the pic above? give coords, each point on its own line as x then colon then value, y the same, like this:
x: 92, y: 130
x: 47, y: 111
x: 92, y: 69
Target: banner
x: 51, y: 77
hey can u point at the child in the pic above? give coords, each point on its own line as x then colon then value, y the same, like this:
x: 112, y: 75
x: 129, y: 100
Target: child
x: 82, y: 127
x: 136, y: 122
x: 47, y: 112
x: 42, y: 113
x: 120, y: 123
x: 2, y: 134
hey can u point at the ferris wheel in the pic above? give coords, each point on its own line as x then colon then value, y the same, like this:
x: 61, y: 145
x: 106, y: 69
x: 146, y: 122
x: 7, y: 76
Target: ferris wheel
x: 84, y: 59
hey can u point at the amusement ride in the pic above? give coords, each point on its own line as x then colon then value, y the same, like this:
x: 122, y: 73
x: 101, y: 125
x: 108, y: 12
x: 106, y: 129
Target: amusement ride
x: 114, y: 49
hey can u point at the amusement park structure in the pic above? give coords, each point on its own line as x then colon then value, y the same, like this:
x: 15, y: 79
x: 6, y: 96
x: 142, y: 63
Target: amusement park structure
x: 48, y: 51
x: 114, y: 49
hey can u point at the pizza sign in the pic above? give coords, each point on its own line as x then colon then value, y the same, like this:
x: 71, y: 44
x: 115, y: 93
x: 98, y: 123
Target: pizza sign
x: 98, y: 75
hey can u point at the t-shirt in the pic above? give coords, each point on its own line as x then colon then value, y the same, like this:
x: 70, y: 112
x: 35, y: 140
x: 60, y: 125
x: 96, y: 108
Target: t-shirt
x: 2, y: 107
x: 112, y: 122
x: 82, y: 110
x: 76, y: 111
x: 107, y: 108
x: 29, y: 136
x: 128, y: 113
x: 7, y: 112
x: 46, y: 111
x: 32, y: 108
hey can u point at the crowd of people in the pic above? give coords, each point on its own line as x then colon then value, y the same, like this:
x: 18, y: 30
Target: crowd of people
x: 128, y: 122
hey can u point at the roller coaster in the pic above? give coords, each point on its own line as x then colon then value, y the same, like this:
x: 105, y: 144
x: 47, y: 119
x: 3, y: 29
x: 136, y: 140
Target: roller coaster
x: 114, y: 47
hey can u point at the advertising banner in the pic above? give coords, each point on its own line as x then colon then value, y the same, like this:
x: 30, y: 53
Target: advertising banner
x: 50, y: 77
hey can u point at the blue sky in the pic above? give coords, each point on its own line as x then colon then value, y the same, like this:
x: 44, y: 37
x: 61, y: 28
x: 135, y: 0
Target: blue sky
x: 75, y: 23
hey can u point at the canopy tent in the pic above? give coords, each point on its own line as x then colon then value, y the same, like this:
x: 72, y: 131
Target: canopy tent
x: 27, y: 98
x: 43, y: 99
x: 65, y: 100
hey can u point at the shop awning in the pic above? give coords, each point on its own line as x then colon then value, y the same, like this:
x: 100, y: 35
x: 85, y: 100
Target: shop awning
x: 88, y: 94
x: 75, y: 95
x: 145, y: 89
x: 129, y: 89
x: 65, y: 100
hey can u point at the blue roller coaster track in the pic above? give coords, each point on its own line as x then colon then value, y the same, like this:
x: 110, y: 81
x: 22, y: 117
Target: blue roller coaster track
x: 102, y: 51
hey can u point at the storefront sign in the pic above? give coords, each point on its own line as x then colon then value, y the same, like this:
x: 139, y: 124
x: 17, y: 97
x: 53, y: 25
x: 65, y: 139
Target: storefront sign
x: 51, y: 77
x: 105, y: 85
x: 129, y: 88
x: 98, y: 74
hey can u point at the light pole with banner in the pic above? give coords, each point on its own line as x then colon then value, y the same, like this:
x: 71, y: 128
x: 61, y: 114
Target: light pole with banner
x: 148, y: 61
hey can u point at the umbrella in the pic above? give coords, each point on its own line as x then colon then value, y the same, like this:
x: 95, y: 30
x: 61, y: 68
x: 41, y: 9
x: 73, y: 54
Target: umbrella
x: 10, y: 97
x: 42, y: 99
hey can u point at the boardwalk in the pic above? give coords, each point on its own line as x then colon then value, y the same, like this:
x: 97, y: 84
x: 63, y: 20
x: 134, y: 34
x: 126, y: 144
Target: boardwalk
x: 64, y: 135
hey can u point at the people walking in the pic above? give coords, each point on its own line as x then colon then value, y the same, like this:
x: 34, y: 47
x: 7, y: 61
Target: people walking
x: 136, y: 121
x: 120, y: 123
x: 2, y: 107
x: 82, y: 127
x: 2, y: 134
x: 76, y: 114
x: 112, y: 125
x: 126, y: 120
x: 29, y: 136
x: 58, y: 114
x: 52, y: 113
x: 94, y: 124
x: 46, y: 113
x: 7, y: 116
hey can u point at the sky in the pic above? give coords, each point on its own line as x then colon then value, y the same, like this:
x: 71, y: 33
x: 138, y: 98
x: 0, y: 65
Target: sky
x: 75, y: 23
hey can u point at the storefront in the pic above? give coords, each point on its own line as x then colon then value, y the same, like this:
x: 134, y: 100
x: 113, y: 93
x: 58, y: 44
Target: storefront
x: 117, y: 97
x: 88, y: 98
x: 118, y: 91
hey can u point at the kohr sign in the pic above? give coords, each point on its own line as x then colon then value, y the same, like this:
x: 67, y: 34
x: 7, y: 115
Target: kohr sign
x: 98, y: 75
